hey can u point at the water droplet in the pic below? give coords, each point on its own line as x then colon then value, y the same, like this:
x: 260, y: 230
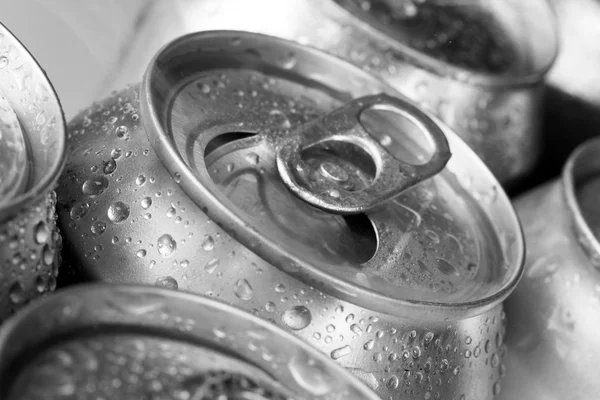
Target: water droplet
x: 109, y: 166
x: 98, y: 228
x: 341, y: 352
x: 495, y: 360
x: 166, y: 245
x: 171, y: 212
x: 121, y: 131
x: 146, y: 202
x: 204, y: 88
x: 369, y: 345
x: 252, y: 158
x: 416, y: 352
x: 393, y: 382
x: 496, y: 389
x: 79, y: 210
x: 243, y: 290
x: 280, y: 288
x: 208, y: 243
x: 444, y: 364
x: 48, y: 255
x: 118, y: 212
x: 212, y: 265
x: 141, y: 253
x: 95, y: 186
x: 41, y: 233
x: 297, y: 317
x: 184, y: 263
x: 270, y: 306
x: 356, y: 329
x: 140, y: 180
x: 167, y: 282
x: 3, y: 62
x: 16, y: 293
x: 330, y: 328
x: 279, y: 120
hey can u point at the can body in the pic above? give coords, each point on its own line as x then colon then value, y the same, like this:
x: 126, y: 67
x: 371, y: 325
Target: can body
x: 418, y: 315
x: 30, y: 242
x: 552, y: 342
x: 162, y: 237
x: 570, y: 116
x: 131, y: 342
x: 499, y: 115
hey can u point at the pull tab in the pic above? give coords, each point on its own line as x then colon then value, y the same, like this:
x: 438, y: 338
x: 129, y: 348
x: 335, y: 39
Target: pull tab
x: 354, y: 172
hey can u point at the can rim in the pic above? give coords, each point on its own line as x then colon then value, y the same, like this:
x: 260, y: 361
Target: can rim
x: 48, y: 180
x: 232, y: 221
x: 578, y: 164
x: 468, y: 75
x: 103, y: 292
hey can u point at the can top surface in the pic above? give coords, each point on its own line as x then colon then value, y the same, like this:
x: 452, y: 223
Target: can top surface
x: 263, y: 135
x: 32, y: 128
x: 185, y: 343
x: 479, y: 40
x: 581, y: 187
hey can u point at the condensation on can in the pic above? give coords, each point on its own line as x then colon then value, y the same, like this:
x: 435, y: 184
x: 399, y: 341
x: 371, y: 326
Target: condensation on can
x: 32, y: 151
x: 160, y: 203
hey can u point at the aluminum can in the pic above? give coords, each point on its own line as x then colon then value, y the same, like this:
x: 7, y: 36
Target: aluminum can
x: 32, y: 155
x: 266, y: 174
x: 572, y: 110
x: 478, y: 64
x: 140, y: 342
x: 553, y: 312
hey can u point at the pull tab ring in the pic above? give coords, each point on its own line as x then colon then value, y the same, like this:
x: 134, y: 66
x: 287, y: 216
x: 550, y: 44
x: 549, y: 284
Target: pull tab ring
x: 391, y: 176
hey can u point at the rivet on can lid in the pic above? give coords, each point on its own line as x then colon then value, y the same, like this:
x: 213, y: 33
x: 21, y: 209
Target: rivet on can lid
x: 433, y: 248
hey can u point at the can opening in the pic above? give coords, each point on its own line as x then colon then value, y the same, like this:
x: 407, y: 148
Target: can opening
x: 401, y: 135
x: 222, y: 140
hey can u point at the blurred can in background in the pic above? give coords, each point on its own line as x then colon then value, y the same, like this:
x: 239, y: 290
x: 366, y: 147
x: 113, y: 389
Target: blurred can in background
x: 479, y: 65
x: 32, y: 155
x: 555, y: 311
x: 128, y: 342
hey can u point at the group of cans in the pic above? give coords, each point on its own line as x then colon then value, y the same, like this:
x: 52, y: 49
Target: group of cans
x: 310, y: 206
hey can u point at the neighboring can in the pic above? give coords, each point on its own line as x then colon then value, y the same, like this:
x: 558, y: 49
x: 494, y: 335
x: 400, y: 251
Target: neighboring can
x: 266, y: 174
x: 572, y: 112
x: 555, y: 311
x: 479, y: 65
x: 32, y: 155
x: 131, y: 342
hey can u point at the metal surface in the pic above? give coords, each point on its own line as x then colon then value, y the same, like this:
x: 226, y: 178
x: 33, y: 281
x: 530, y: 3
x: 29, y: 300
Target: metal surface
x: 554, y: 312
x: 479, y: 65
x: 187, y: 191
x: 572, y: 106
x: 32, y: 151
x: 130, y: 342
x: 331, y: 191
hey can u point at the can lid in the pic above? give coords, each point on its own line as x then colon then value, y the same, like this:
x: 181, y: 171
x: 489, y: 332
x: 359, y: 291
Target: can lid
x: 482, y: 41
x: 170, y: 322
x: 32, y: 128
x: 14, y: 165
x: 265, y: 136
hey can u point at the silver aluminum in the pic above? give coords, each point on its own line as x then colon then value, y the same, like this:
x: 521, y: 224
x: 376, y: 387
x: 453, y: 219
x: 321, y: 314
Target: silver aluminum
x: 177, y: 184
x: 554, y: 312
x: 131, y: 342
x: 32, y: 156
